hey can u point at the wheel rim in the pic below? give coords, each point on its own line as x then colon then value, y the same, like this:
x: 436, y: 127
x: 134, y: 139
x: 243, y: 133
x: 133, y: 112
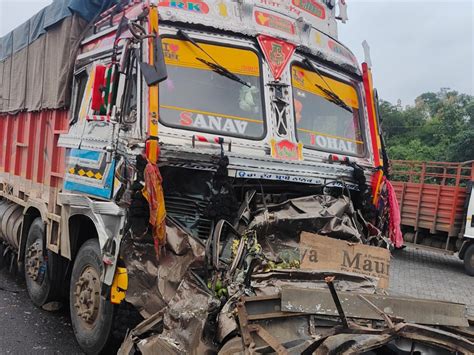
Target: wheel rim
x: 35, y: 264
x: 471, y: 261
x: 87, y: 296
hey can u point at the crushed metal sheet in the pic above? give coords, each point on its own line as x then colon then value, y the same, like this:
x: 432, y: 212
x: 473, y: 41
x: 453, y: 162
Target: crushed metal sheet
x: 153, y: 285
x: 324, y: 214
x: 273, y: 282
x: 411, y: 310
x: 192, y: 305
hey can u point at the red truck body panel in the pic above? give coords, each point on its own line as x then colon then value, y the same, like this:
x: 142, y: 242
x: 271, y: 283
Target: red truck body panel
x: 30, y: 159
x: 432, y: 195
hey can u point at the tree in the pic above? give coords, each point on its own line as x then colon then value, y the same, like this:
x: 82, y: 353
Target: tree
x: 440, y: 126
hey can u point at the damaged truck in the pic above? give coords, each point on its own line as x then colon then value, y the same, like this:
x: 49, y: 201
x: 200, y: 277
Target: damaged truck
x: 176, y: 170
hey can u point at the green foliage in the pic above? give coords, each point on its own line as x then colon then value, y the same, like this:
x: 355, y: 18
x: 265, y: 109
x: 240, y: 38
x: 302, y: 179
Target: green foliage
x: 440, y: 127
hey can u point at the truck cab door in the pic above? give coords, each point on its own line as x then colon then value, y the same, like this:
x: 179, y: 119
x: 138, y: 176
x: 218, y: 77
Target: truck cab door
x: 89, y: 169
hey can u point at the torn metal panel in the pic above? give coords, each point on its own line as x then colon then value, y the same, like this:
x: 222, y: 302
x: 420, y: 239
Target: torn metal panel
x: 325, y: 214
x: 272, y: 283
x: 404, y: 338
x: 183, y: 322
x: 410, y: 309
x: 264, y: 332
x: 153, y: 285
x: 186, y: 316
x: 448, y: 340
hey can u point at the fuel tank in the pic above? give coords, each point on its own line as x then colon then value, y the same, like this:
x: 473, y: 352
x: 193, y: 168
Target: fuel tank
x: 11, y: 218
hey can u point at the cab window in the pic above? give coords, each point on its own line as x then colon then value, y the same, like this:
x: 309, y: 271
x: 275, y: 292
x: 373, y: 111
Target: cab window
x: 322, y: 122
x: 198, y: 99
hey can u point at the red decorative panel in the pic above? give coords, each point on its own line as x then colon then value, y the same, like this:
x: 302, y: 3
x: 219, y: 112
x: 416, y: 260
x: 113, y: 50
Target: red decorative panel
x: 28, y: 146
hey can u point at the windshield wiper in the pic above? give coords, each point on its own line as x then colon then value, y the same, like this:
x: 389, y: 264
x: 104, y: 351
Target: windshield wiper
x: 332, y: 96
x: 219, y: 69
x: 214, y: 65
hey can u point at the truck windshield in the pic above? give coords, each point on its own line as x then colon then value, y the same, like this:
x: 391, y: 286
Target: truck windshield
x: 322, y: 123
x: 196, y: 98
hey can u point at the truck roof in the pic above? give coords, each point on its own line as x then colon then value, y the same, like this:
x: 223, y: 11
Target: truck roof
x: 309, y: 24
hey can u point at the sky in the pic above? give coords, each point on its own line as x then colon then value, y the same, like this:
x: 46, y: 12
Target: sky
x: 416, y: 45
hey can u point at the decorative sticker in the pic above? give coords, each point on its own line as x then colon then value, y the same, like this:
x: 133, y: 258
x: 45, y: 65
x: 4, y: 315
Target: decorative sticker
x: 233, y: 125
x: 183, y: 54
x: 89, y: 172
x: 307, y: 81
x: 281, y: 4
x: 278, y: 177
x: 196, y: 6
x: 286, y: 150
x: 277, y: 52
x: 222, y: 9
x: 275, y: 22
x: 311, y: 7
x: 341, y: 50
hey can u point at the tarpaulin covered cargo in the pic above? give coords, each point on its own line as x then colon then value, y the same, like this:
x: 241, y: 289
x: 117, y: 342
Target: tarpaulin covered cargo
x: 37, y: 58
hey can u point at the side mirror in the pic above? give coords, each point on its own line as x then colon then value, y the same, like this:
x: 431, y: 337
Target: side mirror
x: 98, y: 88
x: 156, y: 73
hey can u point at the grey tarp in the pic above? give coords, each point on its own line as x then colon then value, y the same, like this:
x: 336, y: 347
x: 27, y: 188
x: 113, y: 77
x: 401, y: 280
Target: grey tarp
x: 37, y: 76
x: 37, y: 58
x: 17, y: 91
x: 6, y: 46
x: 5, y: 85
x: 59, y: 61
x: 18, y: 88
x: 90, y: 8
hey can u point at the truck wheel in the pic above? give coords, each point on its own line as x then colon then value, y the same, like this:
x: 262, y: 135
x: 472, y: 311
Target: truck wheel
x: 38, y: 283
x: 3, y: 262
x: 232, y: 347
x: 469, y: 260
x: 91, y: 315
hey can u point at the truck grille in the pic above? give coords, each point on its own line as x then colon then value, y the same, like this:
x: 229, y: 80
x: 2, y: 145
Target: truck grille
x: 189, y: 212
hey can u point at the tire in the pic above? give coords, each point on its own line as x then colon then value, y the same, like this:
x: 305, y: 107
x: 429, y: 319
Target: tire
x: 3, y: 261
x: 232, y: 347
x: 37, y: 270
x: 469, y: 260
x: 91, y: 315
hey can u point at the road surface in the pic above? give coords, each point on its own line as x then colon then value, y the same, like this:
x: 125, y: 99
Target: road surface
x: 24, y: 329
x: 430, y: 275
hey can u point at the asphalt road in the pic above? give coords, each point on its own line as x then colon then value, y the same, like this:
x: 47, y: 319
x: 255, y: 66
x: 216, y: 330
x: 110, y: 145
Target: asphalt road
x: 25, y: 329
x: 429, y: 275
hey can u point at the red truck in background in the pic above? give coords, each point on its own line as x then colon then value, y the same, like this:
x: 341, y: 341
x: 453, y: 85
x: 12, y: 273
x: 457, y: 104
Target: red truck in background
x: 437, y: 206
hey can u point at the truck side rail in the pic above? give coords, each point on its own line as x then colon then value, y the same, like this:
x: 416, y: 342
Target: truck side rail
x: 432, y: 195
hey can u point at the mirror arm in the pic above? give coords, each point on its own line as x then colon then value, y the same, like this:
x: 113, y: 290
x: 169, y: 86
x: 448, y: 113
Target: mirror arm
x: 111, y: 149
